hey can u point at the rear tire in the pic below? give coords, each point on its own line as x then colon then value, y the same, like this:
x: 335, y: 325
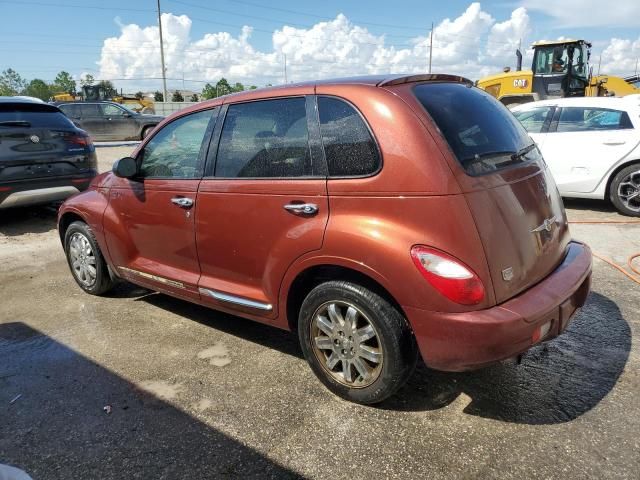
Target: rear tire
x: 623, y: 187
x: 357, y: 343
x: 85, y: 259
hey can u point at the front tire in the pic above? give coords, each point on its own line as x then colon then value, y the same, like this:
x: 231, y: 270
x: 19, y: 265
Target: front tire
x: 357, y: 343
x: 85, y: 259
x: 625, y: 190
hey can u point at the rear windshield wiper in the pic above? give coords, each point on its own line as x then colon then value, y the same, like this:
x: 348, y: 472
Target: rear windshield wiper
x: 522, y: 152
x: 15, y: 123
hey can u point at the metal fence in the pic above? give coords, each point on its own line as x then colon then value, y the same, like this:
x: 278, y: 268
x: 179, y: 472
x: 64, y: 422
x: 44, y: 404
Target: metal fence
x: 166, y: 108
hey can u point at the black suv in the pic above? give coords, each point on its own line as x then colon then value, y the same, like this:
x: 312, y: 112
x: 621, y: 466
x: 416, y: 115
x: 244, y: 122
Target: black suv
x: 109, y: 120
x: 44, y: 157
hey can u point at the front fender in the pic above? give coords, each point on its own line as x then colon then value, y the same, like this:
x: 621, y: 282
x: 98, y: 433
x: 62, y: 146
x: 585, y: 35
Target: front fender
x: 89, y: 206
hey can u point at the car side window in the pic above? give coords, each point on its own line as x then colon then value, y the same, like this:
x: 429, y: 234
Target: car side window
x: 585, y: 119
x: 90, y: 110
x: 109, y: 110
x: 533, y: 119
x: 71, y: 110
x: 348, y: 145
x: 265, y: 139
x: 174, y: 152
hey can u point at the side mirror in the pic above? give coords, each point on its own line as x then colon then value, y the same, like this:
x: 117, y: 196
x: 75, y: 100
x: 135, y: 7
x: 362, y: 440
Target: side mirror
x: 125, y: 167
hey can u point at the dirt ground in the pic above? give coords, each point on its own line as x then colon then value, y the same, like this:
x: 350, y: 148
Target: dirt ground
x: 140, y: 385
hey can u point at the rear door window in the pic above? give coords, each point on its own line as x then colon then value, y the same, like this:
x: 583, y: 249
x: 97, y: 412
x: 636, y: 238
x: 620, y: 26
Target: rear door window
x: 584, y: 119
x: 483, y: 135
x: 265, y: 139
x: 348, y: 144
x: 90, y: 110
x: 71, y: 110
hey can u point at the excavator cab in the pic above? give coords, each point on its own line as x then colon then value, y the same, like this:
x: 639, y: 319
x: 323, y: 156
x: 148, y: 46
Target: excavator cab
x: 561, y: 68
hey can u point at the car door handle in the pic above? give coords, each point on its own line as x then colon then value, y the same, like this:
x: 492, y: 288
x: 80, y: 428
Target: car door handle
x: 302, y: 208
x: 614, y: 142
x: 182, y: 202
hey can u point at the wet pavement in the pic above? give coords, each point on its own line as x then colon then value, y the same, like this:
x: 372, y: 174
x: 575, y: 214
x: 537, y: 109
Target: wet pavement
x: 193, y: 393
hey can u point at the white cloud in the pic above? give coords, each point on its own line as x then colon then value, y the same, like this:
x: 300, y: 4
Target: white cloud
x: 588, y: 13
x: 473, y: 44
x: 619, y: 57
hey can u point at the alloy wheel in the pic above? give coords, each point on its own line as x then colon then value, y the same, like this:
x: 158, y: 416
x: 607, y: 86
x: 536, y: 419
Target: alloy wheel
x: 82, y: 259
x: 346, y: 344
x: 629, y: 191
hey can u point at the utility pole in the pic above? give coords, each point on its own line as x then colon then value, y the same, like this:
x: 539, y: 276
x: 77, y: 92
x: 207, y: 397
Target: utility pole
x: 636, y: 66
x: 164, y: 72
x: 285, y: 68
x: 430, y: 47
x: 599, y: 60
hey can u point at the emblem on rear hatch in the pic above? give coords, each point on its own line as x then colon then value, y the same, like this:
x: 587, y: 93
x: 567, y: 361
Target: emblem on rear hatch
x: 547, y: 225
x: 34, y: 138
x: 507, y: 274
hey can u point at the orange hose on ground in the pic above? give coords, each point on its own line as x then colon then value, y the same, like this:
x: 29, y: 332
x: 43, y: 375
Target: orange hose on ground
x: 610, y: 262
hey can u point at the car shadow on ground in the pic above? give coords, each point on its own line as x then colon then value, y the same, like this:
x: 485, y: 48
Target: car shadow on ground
x: 556, y: 382
x: 18, y: 221
x: 53, y: 423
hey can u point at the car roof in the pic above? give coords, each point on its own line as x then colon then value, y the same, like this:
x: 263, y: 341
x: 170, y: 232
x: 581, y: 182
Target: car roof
x: 20, y: 99
x: 623, y: 103
x: 295, y: 88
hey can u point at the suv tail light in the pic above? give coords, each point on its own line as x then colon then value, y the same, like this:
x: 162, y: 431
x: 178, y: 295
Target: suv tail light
x: 448, y: 275
x: 81, y: 140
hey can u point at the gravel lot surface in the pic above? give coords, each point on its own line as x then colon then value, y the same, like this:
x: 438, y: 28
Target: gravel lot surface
x: 193, y: 393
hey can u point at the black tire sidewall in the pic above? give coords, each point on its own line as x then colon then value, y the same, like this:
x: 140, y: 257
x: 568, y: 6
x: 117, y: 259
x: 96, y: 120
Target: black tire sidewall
x: 613, y: 193
x: 103, y: 280
x: 400, y: 353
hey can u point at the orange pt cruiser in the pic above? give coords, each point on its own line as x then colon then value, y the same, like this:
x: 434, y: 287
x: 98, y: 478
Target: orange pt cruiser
x: 380, y: 217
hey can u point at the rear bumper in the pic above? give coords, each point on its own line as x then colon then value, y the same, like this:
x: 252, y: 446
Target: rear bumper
x: 465, y: 341
x: 42, y: 190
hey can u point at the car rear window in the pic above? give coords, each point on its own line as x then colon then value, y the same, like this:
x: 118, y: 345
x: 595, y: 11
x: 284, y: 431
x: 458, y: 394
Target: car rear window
x: 483, y: 135
x: 38, y: 116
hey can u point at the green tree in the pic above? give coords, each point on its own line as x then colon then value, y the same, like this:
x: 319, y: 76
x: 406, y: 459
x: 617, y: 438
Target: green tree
x: 139, y: 95
x: 208, y: 92
x: 158, y: 97
x: 194, y: 98
x: 65, y: 83
x: 223, y: 87
x: 39, y: 89
x: 252, y: 87
x: 11, y: 83
x: 87, y: 80
x: 177, y: 97
x: 238, y: 87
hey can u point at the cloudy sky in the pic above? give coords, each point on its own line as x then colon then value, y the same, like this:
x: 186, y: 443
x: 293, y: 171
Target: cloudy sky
x: 248, y: 40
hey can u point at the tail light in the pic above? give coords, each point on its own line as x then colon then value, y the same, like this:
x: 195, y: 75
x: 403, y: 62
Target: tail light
x: 448, y: 275
x: 79, y: 140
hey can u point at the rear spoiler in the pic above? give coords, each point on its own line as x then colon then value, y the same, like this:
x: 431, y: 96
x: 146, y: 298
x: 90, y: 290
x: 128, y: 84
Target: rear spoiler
x: 425, y: 77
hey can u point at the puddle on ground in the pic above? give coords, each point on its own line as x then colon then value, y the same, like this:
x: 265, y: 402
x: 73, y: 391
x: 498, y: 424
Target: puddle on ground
x: 218, y: 355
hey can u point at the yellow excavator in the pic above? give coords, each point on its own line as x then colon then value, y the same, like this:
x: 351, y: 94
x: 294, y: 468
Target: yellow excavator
x: 560, y: 69
x: 98, y: 92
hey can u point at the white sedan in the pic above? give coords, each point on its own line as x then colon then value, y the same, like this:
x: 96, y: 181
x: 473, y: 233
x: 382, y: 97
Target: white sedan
x: 591, y: 145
